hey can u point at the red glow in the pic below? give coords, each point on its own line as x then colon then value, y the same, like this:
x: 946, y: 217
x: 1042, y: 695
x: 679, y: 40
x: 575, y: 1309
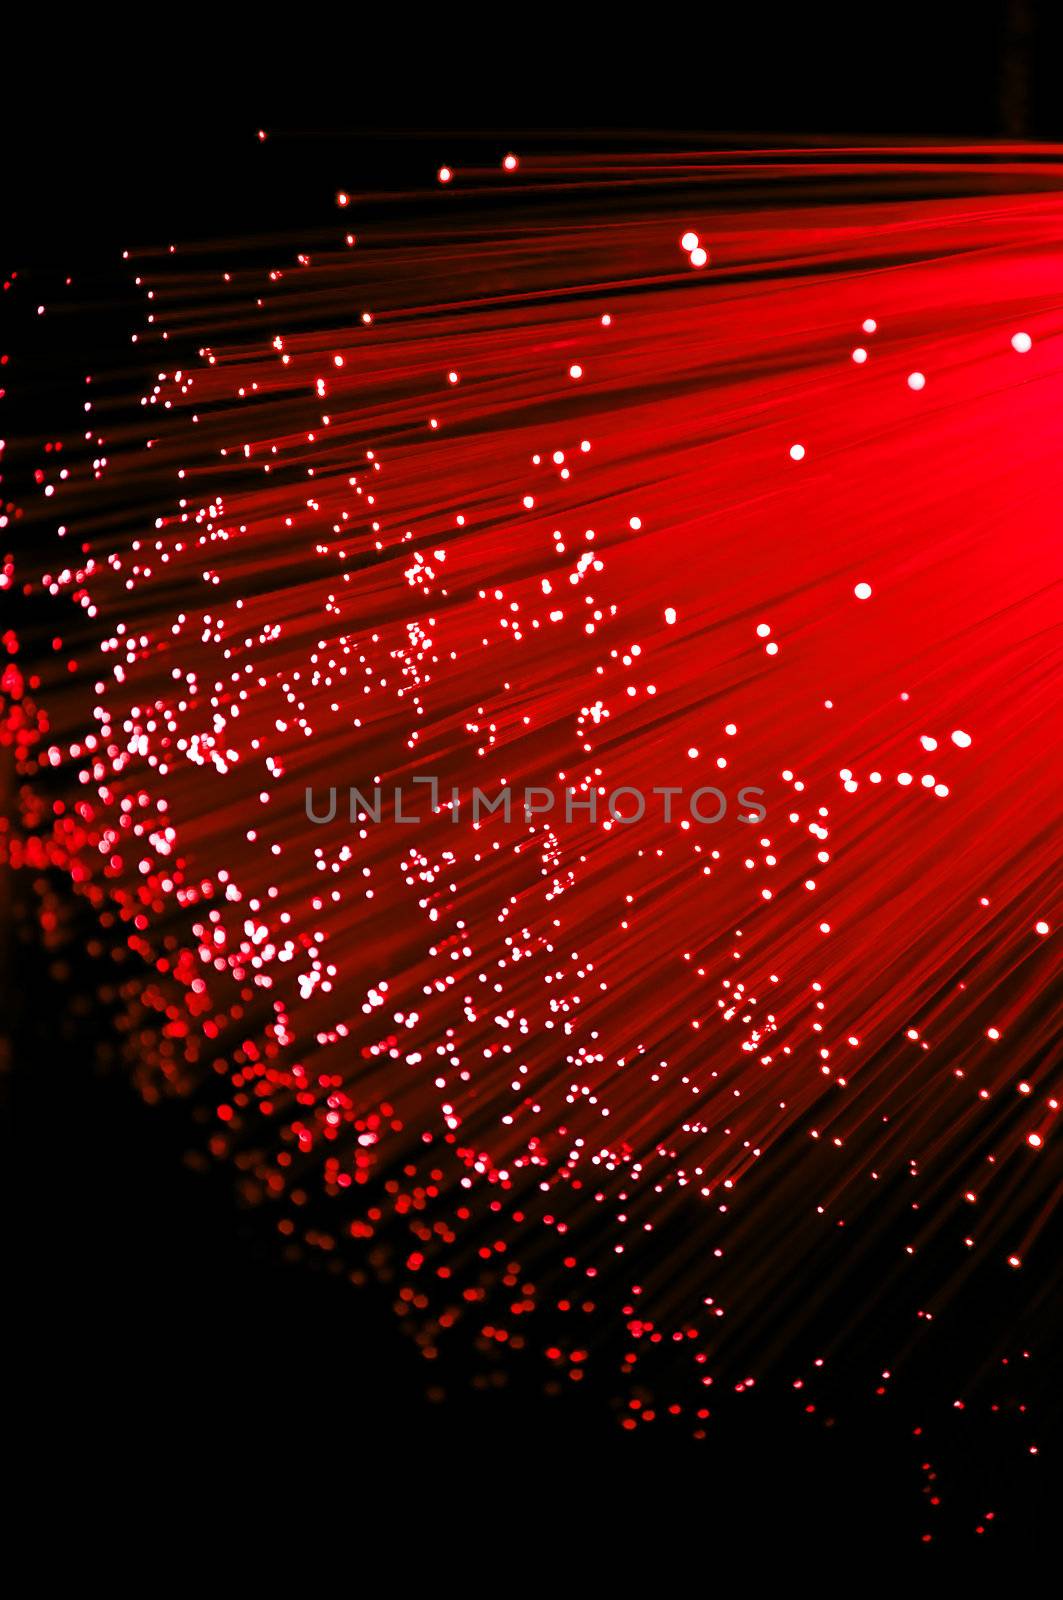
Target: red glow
x: 561, y: 511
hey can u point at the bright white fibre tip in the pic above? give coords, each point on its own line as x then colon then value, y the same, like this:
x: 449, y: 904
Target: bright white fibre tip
x: 698, y: 257
x: 862, y: 591
x: 689, y: 241
x: 869, y: 325
x: 1021, y: 342
x: 916, y: 380
x: 960, y: 738
x: 797, y: 452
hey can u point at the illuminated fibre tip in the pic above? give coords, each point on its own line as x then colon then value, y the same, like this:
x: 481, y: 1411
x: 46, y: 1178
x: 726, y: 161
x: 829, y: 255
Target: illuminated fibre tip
x: 869, y: 325
x: 510, y: 163
x: 669, y: 615
x: 689, y: 241
x: 342, y: 198
x: 1042, y: 928
x: 916, y: 380
x: 699, y: 257
x: 960, y: 738
x: 797, y: 452
x: 444, y: 174
x: 859, y: 355
x: 575, y: 371
x: 1034, y: 1140
x: 862, y: 591
x: 1021, y: 342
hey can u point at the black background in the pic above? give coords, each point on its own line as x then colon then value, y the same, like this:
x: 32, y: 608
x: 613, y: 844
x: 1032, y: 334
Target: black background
x: 172, y: 1354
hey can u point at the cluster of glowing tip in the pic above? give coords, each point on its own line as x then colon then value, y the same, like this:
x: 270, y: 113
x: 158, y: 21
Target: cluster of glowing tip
x: 699, y: 256
x: 541, y: 510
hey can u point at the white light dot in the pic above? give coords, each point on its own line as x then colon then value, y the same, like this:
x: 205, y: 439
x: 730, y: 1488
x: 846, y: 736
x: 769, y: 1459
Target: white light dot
x: 693, y: 752
x: 689, y: 241
x: 763, y: 629
x: 1021, y: 342
x: 772, y: 649
x: 510, y: 163
x: 916, y: 380
x: 1040, y: 927
x: 797, y: 452
x: 698, y: 257
x: 859, y: 355
x: 635, y: 523
x: 869, y: 325
x: 445, y: 174
x: 575, y: 371
x: 960, y: 738
x: 1034, y: 1140
x: 669, y: 615
x: 862, y: 591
